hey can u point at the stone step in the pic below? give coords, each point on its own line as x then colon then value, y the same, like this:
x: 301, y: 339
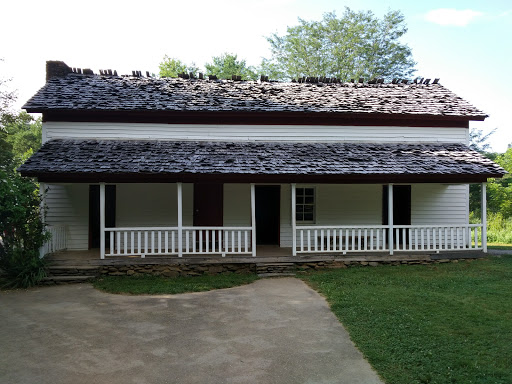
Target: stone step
x: 275, y: 269
x: 73, y: 270
x: 67, y: 279
x: 276, y: 274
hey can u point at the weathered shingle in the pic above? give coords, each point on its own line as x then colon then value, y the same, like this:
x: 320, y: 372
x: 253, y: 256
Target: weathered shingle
x: 174, y: 158
x: 76, y: 92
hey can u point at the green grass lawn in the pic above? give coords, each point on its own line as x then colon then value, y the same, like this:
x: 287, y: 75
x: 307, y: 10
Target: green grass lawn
x: 441, y: 323
x: 501, y: 246
x: 140, y: 285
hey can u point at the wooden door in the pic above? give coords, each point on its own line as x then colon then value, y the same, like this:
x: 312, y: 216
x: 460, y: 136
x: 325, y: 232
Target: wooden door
x: 268, y: 199
x: 94, y: 213
x: 208, y: 205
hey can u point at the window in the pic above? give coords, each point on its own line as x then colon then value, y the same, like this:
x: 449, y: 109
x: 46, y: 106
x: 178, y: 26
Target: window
x: 305, y: 205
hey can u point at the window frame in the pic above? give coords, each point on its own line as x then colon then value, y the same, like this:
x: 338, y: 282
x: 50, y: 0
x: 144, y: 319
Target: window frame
x: 303, y: 204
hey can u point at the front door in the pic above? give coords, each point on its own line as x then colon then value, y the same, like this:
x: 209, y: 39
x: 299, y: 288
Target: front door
x: 267, y: 214
x: 94, y: 213
x: 208, y: 205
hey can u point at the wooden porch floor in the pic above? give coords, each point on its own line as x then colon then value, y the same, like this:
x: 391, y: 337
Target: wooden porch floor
x: 265, y: 254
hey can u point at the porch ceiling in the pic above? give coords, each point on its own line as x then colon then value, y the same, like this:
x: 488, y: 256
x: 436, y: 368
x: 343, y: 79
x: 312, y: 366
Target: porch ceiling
x: 189, y: 161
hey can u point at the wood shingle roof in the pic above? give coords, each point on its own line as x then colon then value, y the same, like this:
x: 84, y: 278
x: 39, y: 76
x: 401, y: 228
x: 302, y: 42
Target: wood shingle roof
x: 141, y: 160
x: 78, y: 92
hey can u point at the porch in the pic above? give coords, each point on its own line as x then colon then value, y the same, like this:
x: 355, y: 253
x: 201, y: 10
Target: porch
x: 297, y: 238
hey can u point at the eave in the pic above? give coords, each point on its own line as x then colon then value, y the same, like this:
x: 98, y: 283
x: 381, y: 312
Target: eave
x: 92, y: 178
x: 258, y: 118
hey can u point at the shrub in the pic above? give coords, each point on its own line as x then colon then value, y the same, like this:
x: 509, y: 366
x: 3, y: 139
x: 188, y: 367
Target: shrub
x: 21, y: 231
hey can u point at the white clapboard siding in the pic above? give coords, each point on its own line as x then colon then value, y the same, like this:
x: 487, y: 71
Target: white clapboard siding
x: 68, y: 205
x: 431, y: 204
x: 237, y: 205
x: 348, y: 204
x: 342, y: 204
x: 147, y: 205
x: 285, y: 237
x: 439, y: 204
x: 91, y: 130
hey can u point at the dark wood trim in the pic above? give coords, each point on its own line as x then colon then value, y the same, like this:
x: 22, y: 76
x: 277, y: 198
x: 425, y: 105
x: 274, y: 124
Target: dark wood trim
x: 260, y: 118
x: 236, y: 178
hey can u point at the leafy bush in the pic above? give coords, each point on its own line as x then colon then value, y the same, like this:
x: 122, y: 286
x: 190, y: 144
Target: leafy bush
x: 21, y: 231
x: 499, y: 228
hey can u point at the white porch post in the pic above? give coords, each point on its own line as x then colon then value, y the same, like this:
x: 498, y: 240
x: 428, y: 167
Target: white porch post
x: 294, y: 221
x: 42, y: 193
x: 179, y: 188
x: 253, y: 220
x: 484, y: 217
x: 102, y: 221
x: 390, y: 218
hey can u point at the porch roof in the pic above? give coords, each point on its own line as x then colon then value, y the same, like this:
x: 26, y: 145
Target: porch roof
x: 191, y: 161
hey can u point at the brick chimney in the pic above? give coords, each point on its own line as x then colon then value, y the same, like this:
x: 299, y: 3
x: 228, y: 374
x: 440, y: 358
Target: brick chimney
x: 56, y: 69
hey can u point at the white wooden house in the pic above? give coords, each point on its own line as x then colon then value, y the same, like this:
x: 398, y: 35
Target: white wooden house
x: 145, y: 166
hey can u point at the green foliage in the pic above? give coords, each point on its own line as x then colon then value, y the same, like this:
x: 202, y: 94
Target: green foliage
x: 141, y: 285
x: 499, y: 227
x: 21, y: 138
x: 445, y: 323
x: 499, y: 191
x: 172, y: 67
x: 226, y: 65
x: 358, y: 44
x: 21, y: 230
x: 478, y: 140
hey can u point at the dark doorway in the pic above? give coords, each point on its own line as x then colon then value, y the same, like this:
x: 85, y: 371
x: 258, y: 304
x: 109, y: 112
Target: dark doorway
x: 401, y: 204
x: 208, y: 205
x: 401, y: 207
x: 94, y: 213
x: 268, y: 199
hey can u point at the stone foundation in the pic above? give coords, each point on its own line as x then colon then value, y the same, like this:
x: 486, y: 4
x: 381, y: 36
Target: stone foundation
x: 173, y: 270
x: 352, y: 263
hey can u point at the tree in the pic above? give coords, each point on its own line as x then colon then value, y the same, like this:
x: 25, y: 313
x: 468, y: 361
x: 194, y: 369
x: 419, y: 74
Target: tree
x: 21, y: 227
x: 358, y: 44
x: 478, y: 141
x: 172, y: 67
x: 22, y: 135
x: 226, y: 65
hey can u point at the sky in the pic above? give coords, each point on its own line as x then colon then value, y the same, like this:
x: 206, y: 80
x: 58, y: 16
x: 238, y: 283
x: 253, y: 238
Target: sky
x: 467, y: 44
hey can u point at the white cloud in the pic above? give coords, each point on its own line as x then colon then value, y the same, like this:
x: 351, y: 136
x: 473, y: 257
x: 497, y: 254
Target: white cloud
x: 450, y: 16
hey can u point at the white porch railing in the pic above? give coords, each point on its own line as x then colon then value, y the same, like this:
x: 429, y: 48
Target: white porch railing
x: 154, y: 241
x: 437, y: 238
x: 318, y: 239
x: 57, y: 241
x: 217, y: 240
x: 410, y: 238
